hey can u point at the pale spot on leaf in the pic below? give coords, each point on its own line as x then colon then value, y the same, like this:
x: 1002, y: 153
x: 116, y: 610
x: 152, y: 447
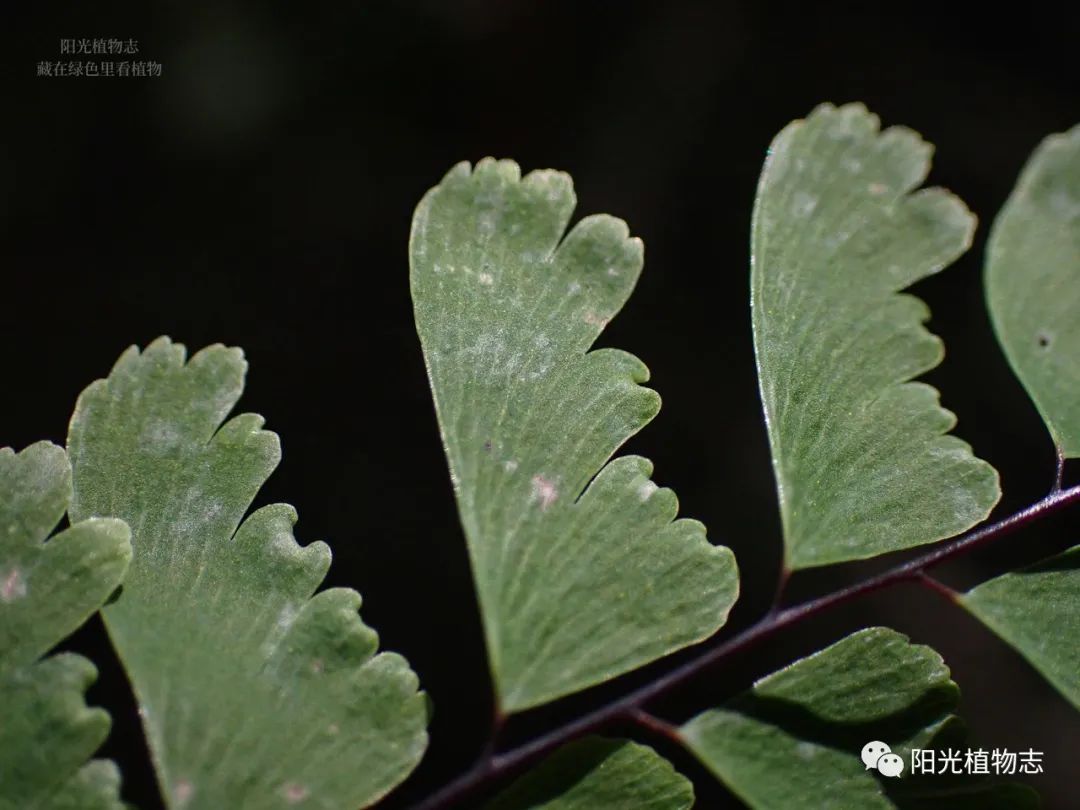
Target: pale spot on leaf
x: 160, y: 436
x: 803, y: 204
x: 13, y: 587
x: 286, y: 617
x: 183, y: 791
x: 294, y: 793
x: 284, y: 543
x: 1064, y: 204
x: 544, y: 491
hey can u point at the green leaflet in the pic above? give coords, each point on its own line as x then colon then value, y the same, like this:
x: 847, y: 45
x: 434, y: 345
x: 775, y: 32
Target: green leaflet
x: 1033, y: 284
x: 596, y: 773
x: 48, y: 588
x: 252, y: 692
x: 1037, y: 610
x: 861, y: 460
x: 580, y: 570
x: 795, y: 739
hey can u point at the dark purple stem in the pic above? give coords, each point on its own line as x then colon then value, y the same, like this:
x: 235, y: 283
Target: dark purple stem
x: 937, y: 586
x: 630, y: 707
x: 655, y: 725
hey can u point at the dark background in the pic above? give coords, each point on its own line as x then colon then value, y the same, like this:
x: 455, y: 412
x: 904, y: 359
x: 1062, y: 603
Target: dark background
x: 259, y: 193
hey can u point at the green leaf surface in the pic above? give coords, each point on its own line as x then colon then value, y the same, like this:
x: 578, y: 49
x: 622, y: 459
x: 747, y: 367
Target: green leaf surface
x: 796, y: 738
x: 596, y: 773
x: 253, y: 693
x: 48, y: 588
x: 1033, y: 284
x: 1037, y: 610
x: 581, y: 570
x: 862, y: 462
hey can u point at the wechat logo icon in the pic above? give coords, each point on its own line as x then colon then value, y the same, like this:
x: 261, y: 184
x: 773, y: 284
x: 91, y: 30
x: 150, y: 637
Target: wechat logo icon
x: 878, y: 755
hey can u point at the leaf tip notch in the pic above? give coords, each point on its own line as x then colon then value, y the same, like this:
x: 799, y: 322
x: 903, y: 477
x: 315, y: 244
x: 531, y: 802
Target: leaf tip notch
x: 860, y: 450
x: 266, y: 660
x: 566, y: 552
